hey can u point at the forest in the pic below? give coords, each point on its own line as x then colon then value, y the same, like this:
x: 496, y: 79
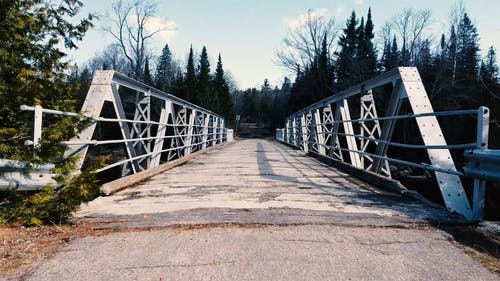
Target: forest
x: 322, y: 57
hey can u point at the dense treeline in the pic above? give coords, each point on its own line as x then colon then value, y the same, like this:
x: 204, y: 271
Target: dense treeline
x: 195, y: 84
x: 266, y: 105
x: 454, y: 74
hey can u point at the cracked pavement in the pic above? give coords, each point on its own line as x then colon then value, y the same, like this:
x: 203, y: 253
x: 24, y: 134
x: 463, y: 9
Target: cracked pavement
x: 258, y: 210
x: 307, y: 252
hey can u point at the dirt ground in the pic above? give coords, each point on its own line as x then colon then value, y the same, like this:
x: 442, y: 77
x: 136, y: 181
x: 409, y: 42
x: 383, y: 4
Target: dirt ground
x: 21, y: 249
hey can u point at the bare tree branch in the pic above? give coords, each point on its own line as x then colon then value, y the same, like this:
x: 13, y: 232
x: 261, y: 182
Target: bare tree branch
x: 303, y: 42
x: 129, y: 25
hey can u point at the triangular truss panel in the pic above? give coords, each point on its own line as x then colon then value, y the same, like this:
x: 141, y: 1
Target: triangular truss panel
x: 326, y: 128
x: 155, y: 127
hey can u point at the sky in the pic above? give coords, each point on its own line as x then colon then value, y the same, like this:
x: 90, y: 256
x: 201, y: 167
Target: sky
x: 248, y: 33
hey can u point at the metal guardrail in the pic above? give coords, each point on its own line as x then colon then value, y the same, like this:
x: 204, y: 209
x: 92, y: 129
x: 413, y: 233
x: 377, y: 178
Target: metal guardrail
x: 326, y: 128
x: 483, y: 164
x: 150, y: 127
x: 24, y: 176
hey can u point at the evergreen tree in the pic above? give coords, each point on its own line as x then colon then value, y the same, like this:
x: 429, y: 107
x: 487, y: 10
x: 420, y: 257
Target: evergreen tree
x: 34, y: 71
x: 395, y: 55
x: 265, y: 86
x: 359, y: 63
x: 390, y: 55
x: 178, y: 87
x: 204, y: 97
x: 287, y: 85
x: 346, y: 56
x: 189, y: 87
x: 84, y: 81
x: 452, y: 56
x: 489, y: 68
x: 370, y: 59
x: 165, y: 70
x: 324, y: 74
x: 148, y: 78
x: 467, y: 61
x: 225, y: 104
x: 490, y: 88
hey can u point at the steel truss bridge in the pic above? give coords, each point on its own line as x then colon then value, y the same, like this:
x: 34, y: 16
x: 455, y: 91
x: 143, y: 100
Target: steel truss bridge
x: 143, y: 129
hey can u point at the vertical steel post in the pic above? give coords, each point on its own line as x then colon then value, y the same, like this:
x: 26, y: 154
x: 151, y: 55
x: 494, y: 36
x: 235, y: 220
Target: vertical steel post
x: 215, y: 121
x: 483, y: 119
x: 305, y: 135
x: 388, y: 125
x: 189, y: 133
x: 206, y: 123
x: 319, y: 136
x: 37, y: 125
x: 295, y: 131
x: 335, y: 151
x: 349, y: 130
x: 166, y: 111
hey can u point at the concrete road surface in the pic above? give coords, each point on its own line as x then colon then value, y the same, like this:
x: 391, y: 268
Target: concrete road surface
x: 308, y: 252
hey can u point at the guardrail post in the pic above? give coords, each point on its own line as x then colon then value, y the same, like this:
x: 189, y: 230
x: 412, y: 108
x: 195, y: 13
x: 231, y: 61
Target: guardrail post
x: 319, y: 136
x: 483, y: 118
x: 37, y: 125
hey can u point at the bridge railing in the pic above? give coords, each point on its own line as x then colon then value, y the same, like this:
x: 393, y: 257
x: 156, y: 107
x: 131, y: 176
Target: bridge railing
x: 137, y: 126
x: 326, y: 128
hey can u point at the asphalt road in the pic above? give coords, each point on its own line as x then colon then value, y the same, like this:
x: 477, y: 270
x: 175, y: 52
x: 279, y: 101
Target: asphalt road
x: 308, y: 252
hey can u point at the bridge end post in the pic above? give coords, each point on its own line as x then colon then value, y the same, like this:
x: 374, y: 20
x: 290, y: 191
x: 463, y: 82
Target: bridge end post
x: 483, y: 118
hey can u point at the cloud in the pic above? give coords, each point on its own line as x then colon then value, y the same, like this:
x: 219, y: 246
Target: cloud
x: 359, y: 2
x: 164, y: 29
x: 340, y: 11
x: 301, y: 19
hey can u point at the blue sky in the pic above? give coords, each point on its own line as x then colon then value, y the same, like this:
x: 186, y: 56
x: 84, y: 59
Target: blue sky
x: 248, y: 33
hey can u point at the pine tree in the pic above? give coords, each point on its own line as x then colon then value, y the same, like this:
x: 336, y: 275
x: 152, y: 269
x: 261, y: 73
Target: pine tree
x: 490, y: 87
x: 189, y: 87
x: 452, y: 56
x: 346, y: 56
x: 395, y: 55
x: 265, y: 86
x: 324, y: 73
x: 34, y: 71
x: 489, y: 67
x: 369, y: 48
x: 148, y: 78
x: 360, y: 57
x: 467, y: 61
x: 287, y: 85
x: 225, y: 105
x: 165, y: 70
x: 204, y: 97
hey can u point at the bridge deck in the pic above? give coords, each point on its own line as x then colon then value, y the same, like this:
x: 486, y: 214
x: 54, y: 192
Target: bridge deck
x: 256, y: 181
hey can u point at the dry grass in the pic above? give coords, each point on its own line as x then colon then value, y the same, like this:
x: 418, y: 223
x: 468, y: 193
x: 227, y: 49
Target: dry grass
x: 479, y: 243
x: 21, y: 248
